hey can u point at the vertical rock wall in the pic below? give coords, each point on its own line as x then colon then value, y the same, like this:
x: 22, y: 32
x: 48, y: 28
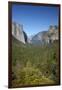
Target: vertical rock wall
x: 17, y: 32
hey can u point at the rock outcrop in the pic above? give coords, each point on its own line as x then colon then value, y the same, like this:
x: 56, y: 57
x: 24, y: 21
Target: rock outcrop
x: 18, y: 33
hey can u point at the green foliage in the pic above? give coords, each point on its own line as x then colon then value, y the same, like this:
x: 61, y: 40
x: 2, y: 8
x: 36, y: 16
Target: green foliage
x: 34, y: 65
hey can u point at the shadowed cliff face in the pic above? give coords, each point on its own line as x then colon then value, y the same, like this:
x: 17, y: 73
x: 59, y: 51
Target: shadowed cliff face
x: 25, y: 36
x: 18, y: 33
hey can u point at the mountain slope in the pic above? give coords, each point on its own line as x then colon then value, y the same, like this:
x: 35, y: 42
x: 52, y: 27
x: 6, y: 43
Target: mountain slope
x: 46, y: 37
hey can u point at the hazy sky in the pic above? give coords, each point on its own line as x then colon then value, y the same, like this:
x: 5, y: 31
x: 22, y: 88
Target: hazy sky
x: 35, y: 18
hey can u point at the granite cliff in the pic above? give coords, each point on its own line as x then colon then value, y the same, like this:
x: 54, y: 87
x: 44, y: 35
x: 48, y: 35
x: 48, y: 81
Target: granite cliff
x: 18, y: 32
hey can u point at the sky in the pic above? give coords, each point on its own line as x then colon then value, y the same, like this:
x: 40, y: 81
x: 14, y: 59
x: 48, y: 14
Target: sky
x: 35, y: 18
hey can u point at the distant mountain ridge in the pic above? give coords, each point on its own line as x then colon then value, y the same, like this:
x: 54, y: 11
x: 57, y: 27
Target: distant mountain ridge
x: 46, y: 37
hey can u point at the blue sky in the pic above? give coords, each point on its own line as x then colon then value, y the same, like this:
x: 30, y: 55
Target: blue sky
x: 35, y: 18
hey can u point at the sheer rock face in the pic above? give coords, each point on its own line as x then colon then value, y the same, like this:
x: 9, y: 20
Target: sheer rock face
x: 18, y: 33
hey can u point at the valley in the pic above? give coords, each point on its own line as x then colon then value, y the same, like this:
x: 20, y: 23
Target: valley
x: 34, y: 65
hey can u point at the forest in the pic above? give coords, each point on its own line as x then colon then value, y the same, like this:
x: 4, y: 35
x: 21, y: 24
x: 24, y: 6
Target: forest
x: 34, y: 65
